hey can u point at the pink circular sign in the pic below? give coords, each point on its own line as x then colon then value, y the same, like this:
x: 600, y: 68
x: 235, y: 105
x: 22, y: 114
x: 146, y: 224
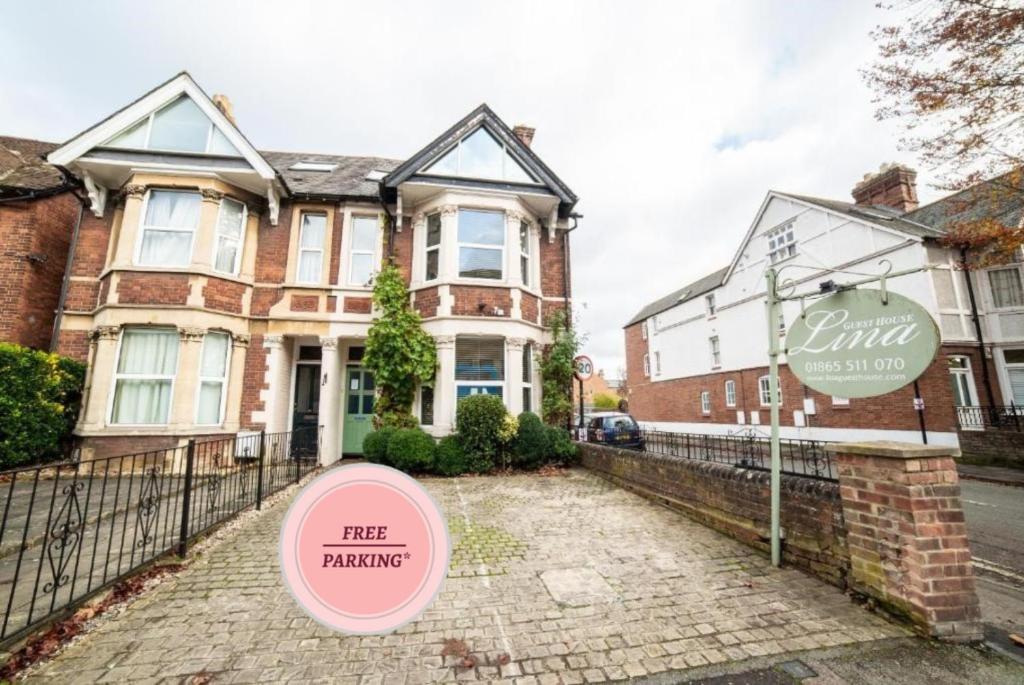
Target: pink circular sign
x: 364, y: 549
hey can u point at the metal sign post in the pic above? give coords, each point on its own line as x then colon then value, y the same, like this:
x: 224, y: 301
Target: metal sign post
x: 584, y: 370
x: 772, y: 277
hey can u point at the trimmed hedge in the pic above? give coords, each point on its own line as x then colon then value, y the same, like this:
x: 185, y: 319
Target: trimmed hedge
x: 450, y: 459
x: 531, y: 445
x: 375, y: 445
x: 561, y: 449
x: 40, y: 394
x: 411, y: 450
x: 479, y: 421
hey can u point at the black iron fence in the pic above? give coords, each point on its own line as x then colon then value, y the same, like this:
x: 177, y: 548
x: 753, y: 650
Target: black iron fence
x: 72, y: 529
x: 799, y: 457
x: 991, y: 418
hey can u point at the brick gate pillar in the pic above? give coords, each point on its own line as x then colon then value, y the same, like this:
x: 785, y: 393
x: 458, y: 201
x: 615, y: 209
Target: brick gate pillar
x: 906, y: 535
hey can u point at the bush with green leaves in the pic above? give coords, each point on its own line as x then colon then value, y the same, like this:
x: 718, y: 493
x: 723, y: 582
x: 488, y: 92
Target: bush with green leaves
x: 450, y: 459
x: 603, y: 400
x: 557, y: 368
x: 375, y: 445
x: 530, y: 447
x: 40, y: 395
x: 561, y: 449
x: 480, y: 421
x: 411, y: 450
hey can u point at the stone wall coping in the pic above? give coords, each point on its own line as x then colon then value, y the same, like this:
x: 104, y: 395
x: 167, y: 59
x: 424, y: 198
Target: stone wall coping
x: 893, y: 449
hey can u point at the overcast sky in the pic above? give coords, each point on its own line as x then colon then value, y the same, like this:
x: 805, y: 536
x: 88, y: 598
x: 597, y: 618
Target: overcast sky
x: 670, y: 121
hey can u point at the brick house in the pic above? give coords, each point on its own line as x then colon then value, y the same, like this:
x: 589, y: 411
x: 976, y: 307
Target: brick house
x: 216, y: 288
x: 697, y: 358
x: 38, y: 215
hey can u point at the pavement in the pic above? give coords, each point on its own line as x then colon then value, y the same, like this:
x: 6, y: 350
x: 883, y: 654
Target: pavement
x: 991, y: 474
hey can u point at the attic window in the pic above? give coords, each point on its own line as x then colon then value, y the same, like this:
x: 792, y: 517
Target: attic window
x: 376, y: 175
x: 177, y: 127
x: 312, y: 166
x: 781, y: 243
x: 480, y: 155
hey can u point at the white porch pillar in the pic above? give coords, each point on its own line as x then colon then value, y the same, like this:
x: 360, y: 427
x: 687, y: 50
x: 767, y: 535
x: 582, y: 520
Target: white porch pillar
x: 275, y: 403
x: 330, y: 398
x: 514, y: 382
x: 444, y: 385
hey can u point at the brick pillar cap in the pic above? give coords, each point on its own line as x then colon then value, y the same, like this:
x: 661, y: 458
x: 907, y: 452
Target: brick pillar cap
x: 893, y: 449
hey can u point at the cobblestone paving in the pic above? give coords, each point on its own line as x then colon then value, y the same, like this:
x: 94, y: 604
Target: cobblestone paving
x: 560, y: 579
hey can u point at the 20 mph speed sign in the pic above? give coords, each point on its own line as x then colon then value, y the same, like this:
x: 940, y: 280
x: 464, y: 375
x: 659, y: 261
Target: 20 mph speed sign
x: 584, y: 367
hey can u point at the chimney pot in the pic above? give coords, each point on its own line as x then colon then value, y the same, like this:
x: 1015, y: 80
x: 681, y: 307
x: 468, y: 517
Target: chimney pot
x: 223, y: 103
x: 524, y: 133
x: 893, y: 186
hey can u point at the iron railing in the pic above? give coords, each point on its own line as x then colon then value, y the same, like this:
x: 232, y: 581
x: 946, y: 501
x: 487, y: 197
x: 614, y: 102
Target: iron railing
x: 799, y: 457
x: 991, y: 418
x: 72, y: 529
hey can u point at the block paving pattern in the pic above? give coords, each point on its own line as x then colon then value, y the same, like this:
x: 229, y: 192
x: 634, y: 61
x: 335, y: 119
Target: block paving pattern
x: 657, y: 593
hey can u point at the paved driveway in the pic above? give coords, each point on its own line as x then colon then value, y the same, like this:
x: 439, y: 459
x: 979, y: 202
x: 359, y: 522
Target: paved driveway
x: 553, y: 579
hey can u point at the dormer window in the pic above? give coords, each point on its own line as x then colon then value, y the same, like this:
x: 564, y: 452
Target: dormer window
x: 480, y: 155
x: 307, y: 165
x: 781, y: 244
x: 177, y: 127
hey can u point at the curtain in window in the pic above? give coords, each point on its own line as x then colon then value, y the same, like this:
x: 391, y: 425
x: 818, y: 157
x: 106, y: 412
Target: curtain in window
x: 145, y: 370
x: 212, y: 373
x: 311, y: 245
x: 364, y: 249
x: 171, y: 219
x: 229, y: 235
x: 1006, y: 288
x: 1017, y: 385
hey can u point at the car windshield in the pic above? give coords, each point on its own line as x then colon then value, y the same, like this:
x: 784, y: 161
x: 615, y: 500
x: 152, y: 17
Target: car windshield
x: 619, y: 423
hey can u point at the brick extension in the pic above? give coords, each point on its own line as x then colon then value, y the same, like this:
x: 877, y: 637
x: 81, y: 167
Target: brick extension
x: 907, y: 537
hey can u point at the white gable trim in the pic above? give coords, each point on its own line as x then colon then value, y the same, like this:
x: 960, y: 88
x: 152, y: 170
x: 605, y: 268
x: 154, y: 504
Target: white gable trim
x: 773, y: 195
x: 180, y: 84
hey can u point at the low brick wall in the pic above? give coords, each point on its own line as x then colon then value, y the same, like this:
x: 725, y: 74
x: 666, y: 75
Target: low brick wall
x: 992, y: 447
x: 737, y: 502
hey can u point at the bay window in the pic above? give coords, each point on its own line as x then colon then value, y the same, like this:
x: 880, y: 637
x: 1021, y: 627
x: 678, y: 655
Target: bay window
x: 433, y: 247
x: 524, y: 252
x: 312, y: 233
x: 479, y: 366
x: 481, y: 244
x: 527, y: 377
x: 169, y: 225
x: 363, y: 250
x: 213, y: 372
x: 147, y: 360
x: 230, y: 232
x: 1006, y: 288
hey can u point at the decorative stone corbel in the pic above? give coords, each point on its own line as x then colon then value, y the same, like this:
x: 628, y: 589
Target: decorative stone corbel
x: 444, y: 341
x: 515, y: 215
x: 329, y: 343
x: 104, y: 333
x: 241, y: 340
x: 516, y: 344
x: 449, y: 210
x: 191, y: 334
x: 272, y: 341
x: 97, y: 194
x: 273, y: 204
x: 211, y: 195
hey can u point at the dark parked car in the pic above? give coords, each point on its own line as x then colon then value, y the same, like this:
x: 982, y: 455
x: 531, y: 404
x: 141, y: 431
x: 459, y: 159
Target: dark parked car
x: 614, y: 428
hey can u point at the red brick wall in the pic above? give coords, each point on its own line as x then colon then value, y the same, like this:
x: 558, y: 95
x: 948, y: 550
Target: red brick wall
x: 83, y: 296
x: 224, y: 296
x: 469, y: 297
x: 263, y: 299
x: 336, y: 231
x: 427, y: 302
x: 74, y: 344
x: 403, y: 249
x: 138, y: 287
x: 252, y: 383
x: 30, y: 291
x: 93, y: 242
x: 552, y: 267
x: 272, y: 251
x: 530, y: 307
x: 358, y: 305
x: 304, y: 303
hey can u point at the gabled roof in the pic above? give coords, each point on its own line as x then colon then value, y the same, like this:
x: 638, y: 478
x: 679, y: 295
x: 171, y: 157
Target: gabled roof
x: 684, y: 294
x: 1001, y: 198
x: 346, y: 181
x: 23, y: 167
x: 876, y: 214
x: 483, y: 116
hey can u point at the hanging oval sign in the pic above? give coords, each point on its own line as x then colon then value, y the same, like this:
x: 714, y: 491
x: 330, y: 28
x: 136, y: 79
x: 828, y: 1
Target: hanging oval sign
x: 852, y: 345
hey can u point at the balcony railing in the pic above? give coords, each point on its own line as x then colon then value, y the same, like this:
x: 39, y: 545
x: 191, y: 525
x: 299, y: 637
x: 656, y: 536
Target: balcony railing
x: 1009, y: 418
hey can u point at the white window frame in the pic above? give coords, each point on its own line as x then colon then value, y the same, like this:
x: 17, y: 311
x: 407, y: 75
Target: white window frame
x: 647, y: 365
x: 840, y: 401
x: 503, y: 383
x: 241, y: 237
x: 352, y: 251
x: 992, y: 288
x: 730, y: 393
x: 427, y: 248
x: 657, y: 362
x: 764, y: 391
x: 526, y: 273
x: 149, y: 130
x: 715, y: 347
x: 705, y: 402
x: 301, y: 249
x: 143, y: 227
x: 781, y: 243
x: 483, y: 246
x: 141, y: 377
x: 643, y: 329
x: 214, y: 379
x: 709, y: 305
x: 506, y: 154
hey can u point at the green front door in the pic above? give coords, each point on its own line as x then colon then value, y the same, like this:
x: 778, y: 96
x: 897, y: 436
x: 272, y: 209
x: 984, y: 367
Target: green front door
x: 358, y: 409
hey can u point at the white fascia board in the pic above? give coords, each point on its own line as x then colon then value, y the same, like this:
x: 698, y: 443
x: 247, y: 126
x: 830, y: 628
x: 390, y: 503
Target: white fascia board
x: 183, y: 83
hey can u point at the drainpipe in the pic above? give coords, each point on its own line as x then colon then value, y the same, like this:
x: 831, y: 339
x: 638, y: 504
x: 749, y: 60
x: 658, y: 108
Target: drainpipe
x: 566, y: 284
x: 66, y: 281
x: 977, y: 330
x: 391, y: 222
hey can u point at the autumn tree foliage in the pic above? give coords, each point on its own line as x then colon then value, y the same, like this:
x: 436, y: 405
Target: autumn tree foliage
x: 951, y: 72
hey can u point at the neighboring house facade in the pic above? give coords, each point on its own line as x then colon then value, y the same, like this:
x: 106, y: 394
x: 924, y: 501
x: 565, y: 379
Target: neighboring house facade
x: 38, y: 214
x: 215, y: 287
x: 697, y: 359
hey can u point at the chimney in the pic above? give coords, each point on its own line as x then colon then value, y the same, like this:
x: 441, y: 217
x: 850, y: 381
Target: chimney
x: 894, y: 186
x: 224, y: 105
x: 524, y: 133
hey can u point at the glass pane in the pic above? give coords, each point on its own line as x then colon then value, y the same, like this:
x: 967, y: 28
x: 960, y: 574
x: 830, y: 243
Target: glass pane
x: 482, y: 228
x: 229, y: 222
x: 1006, y: 288
x: 526, y: 400
x: 215, y: 355
x: 524, y: 270
x: 364, y: 234
x: 467, y: 390
x: 150, y: 351
x: 165, y: 248
x: 432, y: 266
x: 171, y: 209
x: 524, y: 238
x: 180, y: 126
x: 479, y: 262
x: 527, y: 362
x: 309, y: 267
x: 368, y: 404
x: 310, y: 353
x: 433, y: 230
x: 447, y: 165
x: 353, y: 404
x: 1017, y: 385
x: 479, y: 359
x: 133, y: 137
x: 314, y: 228
x: 368, y: 381
x: 514, y: 172
x: 208, y: 411
x: 141, y: 401
x: 1011, y: 356
x: 481, y: 156
x: 220, y: 145
x: 356, y: 353
x: 427, y: 406
x: 227, y: 254
x: 361, y: 269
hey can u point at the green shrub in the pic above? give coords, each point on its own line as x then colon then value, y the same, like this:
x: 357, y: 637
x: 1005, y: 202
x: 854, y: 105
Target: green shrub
x: 40, y: 395
x: 562, y: 450
x: 399, y: 420
x: 480, y: 422
x: 411, y: 450
x: 603, y: 400
x: 450, y: 459
x: 530, y: 447
x: 375, y: 445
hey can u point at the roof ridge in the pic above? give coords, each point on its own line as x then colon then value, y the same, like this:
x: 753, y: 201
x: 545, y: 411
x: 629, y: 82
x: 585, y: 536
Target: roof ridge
x: 328, y: 154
